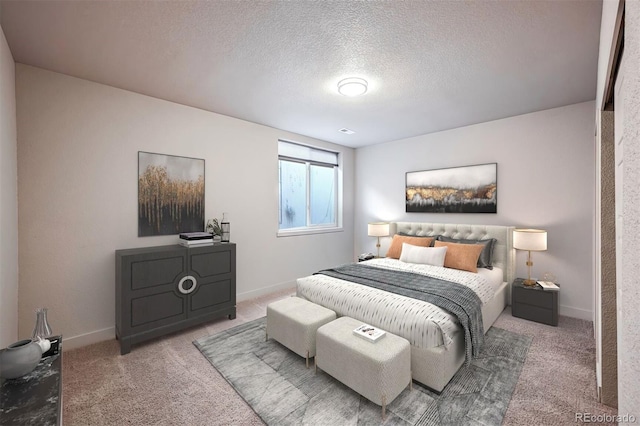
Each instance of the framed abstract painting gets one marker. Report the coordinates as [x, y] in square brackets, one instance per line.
[468, 189]
[170, 194]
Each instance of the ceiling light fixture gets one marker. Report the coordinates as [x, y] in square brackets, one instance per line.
[352, 86]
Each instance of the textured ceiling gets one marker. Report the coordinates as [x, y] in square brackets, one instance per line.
[431, 65]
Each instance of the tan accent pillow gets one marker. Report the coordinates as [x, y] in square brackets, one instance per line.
[461, 256]
[395, 249]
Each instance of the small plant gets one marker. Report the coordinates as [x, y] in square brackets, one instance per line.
[213, 227]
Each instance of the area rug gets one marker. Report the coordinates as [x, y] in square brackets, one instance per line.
[282, 391]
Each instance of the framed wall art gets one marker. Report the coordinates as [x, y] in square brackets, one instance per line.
[468, 189]
[170, 194]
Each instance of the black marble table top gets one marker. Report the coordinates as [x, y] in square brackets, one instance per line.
[34, 399]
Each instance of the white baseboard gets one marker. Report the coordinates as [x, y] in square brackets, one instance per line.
[569, 311]
[86, 339]
[265, 290]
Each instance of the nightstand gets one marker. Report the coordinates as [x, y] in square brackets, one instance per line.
[533, 303]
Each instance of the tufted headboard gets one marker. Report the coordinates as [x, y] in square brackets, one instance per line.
[504, 255]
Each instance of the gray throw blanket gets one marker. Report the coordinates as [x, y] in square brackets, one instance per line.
[456, 298]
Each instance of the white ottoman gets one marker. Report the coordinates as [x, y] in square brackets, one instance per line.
[293, 322]
[379, 370]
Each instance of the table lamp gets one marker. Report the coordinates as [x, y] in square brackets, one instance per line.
[530, 240]
[378, 229]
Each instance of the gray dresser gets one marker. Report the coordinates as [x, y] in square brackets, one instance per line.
[164, 289]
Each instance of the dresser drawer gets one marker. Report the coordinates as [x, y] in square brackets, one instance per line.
[533, 297]
[534, 313]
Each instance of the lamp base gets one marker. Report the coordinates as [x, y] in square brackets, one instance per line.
[529, 283]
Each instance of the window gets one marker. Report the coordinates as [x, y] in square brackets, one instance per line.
[308, 189]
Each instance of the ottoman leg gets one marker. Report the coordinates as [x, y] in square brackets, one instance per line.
[384, 406]
[307, 359]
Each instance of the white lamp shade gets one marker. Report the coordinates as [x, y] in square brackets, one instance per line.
[530, 239]
[378, 229]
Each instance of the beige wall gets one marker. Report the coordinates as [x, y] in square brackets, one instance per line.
[78, 165]
[8, 200]
[545, 180]
[628, 288]
[628, 291]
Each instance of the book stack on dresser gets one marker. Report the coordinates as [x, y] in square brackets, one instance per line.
[193, 239]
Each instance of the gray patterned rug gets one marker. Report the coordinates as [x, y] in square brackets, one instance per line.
[282, 391]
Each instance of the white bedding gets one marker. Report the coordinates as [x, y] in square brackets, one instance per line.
[424, 325]
[495, 277]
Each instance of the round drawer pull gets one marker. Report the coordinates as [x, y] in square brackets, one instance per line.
[190, 289]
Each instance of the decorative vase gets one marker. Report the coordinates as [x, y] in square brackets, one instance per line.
[226, 228]
[42, 328]
[19, 358]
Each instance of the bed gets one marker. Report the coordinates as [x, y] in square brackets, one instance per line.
[437, 339]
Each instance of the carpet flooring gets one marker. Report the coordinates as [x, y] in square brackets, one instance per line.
[167, 381]
[282, 391]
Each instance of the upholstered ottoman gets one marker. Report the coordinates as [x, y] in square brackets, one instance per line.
[379, 370]
[293, 322]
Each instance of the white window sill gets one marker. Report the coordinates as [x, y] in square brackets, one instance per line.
[307, 231]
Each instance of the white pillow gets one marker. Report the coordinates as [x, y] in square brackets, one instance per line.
[423, 255]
